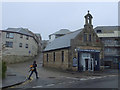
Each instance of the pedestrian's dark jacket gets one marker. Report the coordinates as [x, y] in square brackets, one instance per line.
[34, 66]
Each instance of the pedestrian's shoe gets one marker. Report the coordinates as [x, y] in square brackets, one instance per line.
[29, 78]
[37, 77]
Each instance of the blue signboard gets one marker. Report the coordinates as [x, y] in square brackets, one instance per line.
[88, 50]
[74, 62]
[29, 52]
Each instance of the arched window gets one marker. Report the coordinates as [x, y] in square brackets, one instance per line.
[85, 37]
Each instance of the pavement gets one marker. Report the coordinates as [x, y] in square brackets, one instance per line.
[12, 78]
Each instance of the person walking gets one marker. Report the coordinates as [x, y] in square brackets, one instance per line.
[33, 69]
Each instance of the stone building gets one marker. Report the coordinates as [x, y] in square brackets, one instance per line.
[40, 42]
[110, 36]
[44, 44]
[20, 44]
[80, 50]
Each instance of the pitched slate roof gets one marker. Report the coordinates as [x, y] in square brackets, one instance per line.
[19, 30]
[62, 31]
[23, 31]
[62, 42]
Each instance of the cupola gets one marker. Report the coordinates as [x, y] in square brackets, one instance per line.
[88, 19]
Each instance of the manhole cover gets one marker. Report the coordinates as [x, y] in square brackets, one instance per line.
[51, 77]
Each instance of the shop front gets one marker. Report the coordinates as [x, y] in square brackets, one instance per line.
[88, 60]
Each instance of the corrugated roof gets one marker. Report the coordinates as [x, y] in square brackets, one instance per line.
[63, 41]
[19, 30]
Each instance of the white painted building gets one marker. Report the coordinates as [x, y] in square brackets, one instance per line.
[20, 44]
[57, 34]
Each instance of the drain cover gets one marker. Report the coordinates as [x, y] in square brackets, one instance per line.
[51, 77]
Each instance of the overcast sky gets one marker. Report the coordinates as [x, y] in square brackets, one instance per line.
[48, 17]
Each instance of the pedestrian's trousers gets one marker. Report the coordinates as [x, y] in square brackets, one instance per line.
[32, 73]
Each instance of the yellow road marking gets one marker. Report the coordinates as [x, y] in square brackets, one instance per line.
[27, 81]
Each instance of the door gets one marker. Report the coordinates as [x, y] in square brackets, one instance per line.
[97, 66]
[92, 65]
[86, 64]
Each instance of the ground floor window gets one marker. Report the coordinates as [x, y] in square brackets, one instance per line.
[62, 56]
[47, 57]
[108, 64]
[54, 56]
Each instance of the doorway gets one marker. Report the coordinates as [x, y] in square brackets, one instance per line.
[86, 64]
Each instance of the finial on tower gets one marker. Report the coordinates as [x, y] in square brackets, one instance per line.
[88, 11]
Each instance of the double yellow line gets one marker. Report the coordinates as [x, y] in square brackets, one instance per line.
[27, 81]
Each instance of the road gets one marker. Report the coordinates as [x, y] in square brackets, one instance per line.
[110, 81]
[49, 78]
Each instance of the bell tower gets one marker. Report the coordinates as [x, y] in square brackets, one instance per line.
[88, 19]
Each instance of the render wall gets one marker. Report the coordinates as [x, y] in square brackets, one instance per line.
[16, 58]
[17, 54]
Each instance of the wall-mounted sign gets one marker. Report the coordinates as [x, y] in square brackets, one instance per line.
[29, 52]
[75, 62]
[88, 50]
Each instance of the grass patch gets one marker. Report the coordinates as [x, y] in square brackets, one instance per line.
[3, 69]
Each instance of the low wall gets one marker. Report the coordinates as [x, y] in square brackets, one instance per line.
[16, 59]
